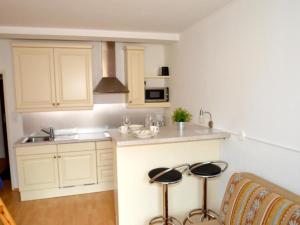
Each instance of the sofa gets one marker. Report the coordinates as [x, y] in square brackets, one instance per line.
[249, 199]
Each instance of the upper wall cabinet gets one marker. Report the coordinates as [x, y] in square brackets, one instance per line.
[135, 75]
[135, 71]
[51, 78]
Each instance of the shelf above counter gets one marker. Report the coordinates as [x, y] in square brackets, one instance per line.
[152, 105]
[157, 77]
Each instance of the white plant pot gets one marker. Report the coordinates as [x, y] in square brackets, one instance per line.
[181, 126]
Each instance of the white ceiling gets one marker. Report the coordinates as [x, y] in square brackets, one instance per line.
[128, 15]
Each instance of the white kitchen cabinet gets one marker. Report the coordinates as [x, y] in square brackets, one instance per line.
[51, 78]
[54, 170]
[37, 171]
[105, 164]
[135, 75]
[77, 168]
[77, 164]
[73, 77]
[34, 78]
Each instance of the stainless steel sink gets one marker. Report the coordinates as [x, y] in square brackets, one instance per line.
[37, 139]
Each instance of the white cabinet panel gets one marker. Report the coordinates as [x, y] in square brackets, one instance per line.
[73, 77]
[37, 171]
[105, 157]
[34, 77]
[52, 78]
[77, 168]
[105, 174]
[135, 75]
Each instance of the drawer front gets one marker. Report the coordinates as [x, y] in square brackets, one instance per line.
[103, 144]
[105, 157]
[37, 149]
[75, 147]
[105, 174]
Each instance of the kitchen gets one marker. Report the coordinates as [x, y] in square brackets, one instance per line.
[208, 67]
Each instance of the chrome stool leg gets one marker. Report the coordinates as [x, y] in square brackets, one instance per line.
[204, 213]
[165, 203]
[165, 219]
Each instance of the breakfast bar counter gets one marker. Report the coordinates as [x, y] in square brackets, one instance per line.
[137, 201]
[169, 135]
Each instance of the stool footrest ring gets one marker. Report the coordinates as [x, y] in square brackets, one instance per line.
[209, 215]
[165, 221]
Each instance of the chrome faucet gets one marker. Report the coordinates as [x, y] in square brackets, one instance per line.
[49, 131]
[202, 113]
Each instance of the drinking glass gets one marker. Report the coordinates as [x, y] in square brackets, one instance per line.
[148, 120]
[126, 120]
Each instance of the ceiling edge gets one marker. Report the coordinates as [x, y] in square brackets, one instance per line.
[85, 34]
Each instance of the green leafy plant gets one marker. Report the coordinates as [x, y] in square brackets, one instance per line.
[181, 115]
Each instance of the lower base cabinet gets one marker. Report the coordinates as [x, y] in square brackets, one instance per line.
[64, 169]
[77, 168]
[37, 172]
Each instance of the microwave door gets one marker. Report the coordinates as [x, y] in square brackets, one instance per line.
[154, 95]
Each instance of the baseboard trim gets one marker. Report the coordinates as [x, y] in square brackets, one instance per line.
[59, 192]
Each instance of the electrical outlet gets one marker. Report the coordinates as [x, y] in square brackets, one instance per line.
[242, 135]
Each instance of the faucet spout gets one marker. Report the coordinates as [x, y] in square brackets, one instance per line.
[49, 131]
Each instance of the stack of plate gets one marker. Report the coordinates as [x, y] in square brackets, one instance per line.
[144, 133]
[135, 127]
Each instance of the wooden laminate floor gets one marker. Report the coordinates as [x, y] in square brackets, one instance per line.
[86, 209]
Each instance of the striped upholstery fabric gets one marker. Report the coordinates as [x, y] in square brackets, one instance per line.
[248, 203]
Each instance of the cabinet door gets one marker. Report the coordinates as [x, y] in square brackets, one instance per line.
[34, 78]
[77, 168]
[37, 172]
[73, 77]
[135, 76]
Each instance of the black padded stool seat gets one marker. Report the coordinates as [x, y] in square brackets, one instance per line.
[171, 176]
[206, 169]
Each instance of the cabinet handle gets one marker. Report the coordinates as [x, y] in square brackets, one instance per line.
[57, 104]
[54, 157]
[53, 104]
[130, 101]
[59, 156]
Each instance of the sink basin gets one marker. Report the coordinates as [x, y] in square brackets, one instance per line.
[37, 139]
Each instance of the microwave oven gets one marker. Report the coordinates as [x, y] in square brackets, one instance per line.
[157, 94]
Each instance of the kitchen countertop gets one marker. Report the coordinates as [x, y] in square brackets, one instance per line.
[72, 138]
[168, 135]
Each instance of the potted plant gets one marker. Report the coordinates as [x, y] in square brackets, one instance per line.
[181, 116]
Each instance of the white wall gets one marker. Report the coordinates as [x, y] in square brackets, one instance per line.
[2, 147]
[242, 64]
[14, 120]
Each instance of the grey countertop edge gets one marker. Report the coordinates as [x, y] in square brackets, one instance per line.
[70, 141]
[152, 141]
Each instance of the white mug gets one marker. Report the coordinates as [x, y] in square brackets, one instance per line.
[124, 129]
[154, 129]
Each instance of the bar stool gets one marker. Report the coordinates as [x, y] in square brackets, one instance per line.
[205, 171]
[166, 176]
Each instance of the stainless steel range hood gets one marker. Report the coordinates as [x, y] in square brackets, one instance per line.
[109, 82]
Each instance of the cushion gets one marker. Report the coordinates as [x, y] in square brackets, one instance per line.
[248, 202]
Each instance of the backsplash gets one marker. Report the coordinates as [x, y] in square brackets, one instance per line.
[102, 115]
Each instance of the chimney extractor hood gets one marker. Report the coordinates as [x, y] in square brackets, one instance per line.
[109, 82]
